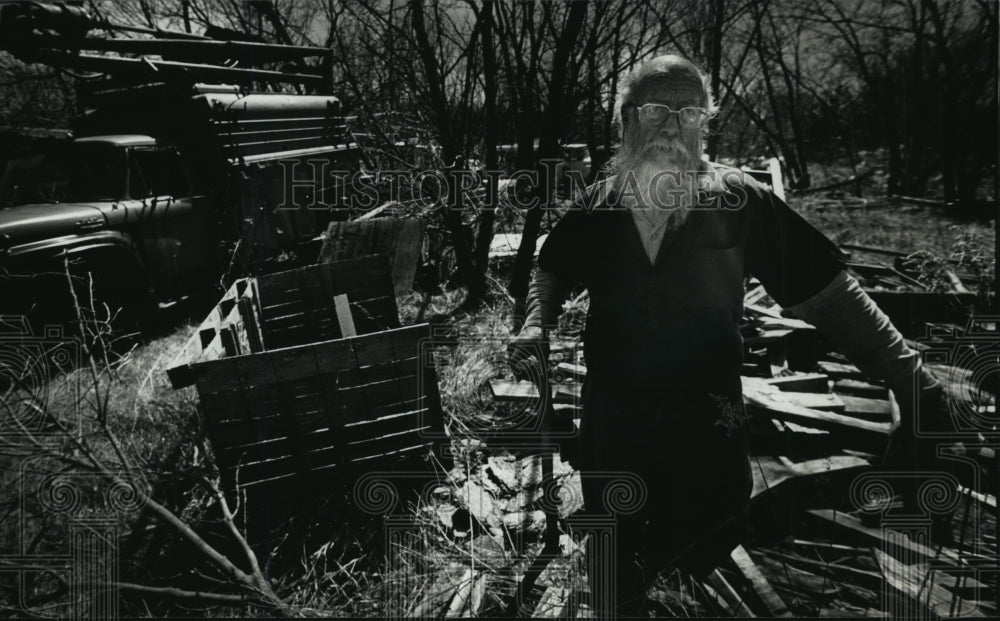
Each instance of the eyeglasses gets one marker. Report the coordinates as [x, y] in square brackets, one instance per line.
[655, 113]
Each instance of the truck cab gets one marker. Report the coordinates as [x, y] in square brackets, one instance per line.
[119, 207]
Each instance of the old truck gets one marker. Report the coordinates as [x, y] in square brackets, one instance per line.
[180, 175]
[170, 212]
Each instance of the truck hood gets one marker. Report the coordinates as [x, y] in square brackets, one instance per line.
[27, 223]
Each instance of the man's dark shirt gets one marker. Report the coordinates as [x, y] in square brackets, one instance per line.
[676, 322]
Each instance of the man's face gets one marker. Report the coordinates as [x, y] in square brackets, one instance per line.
[667, 140]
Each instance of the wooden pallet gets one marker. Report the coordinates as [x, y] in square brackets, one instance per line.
[320, 406]
[284, 394]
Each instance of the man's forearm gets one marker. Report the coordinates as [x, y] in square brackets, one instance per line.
[546, 295]
[846, 316]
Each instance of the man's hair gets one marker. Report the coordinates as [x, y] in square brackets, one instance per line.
[665, 65]
[672, 67]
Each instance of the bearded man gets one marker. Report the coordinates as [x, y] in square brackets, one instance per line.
[663, 254]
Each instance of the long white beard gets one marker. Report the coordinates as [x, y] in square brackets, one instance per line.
[662, 183]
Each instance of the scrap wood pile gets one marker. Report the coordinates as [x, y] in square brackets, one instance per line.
[831, 534]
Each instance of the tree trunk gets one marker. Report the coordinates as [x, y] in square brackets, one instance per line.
[718, 13]
[551, 130]
[484, 235]
[443, 124]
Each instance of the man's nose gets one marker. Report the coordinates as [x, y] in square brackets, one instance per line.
[670, 126]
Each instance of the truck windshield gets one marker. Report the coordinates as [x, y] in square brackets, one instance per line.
[70, 173]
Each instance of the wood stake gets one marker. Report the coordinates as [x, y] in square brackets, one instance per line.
[344, 317]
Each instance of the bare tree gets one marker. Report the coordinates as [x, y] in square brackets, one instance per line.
[554, 113]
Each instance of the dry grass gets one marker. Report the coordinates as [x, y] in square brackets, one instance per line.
[120, 416]
[900, 227]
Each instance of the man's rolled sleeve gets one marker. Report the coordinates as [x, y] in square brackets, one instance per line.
[790, 257]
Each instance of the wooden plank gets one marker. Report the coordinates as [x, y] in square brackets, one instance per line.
[840, 370]
[371, 315]
[760, 310]
[755, 294]
[765, 400]
[886, 276]
[858, 388]
[227, 411]
[802, 382]
[386, 444]
[814, 400]
[861, 577]
[987, 499]
[395, 417]
[462, 594]
[876, 410]
[351, 425]
[377, 393]
[796, 428]
[874, 580]
[873, 250]
[230, 342]
[365, 277]
[769, 472]
[295, 304]
[736, 606]
[775, 606]
[373, 437]
[324, 357]
[399, 239]
[768, 336]
[283, 467]
[327, 285]
[440, 593]
[774, 320]
[477, 596]
[884, 537]
[552, 604]
[828, 546]
[911, 580]
[777, 183]
[344, 318]
[519, 391]
[251, 325]
[394, 456]
[799, 583]
[577, 371]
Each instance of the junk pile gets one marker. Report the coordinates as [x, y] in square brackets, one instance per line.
[831, 534]
[306, 376]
